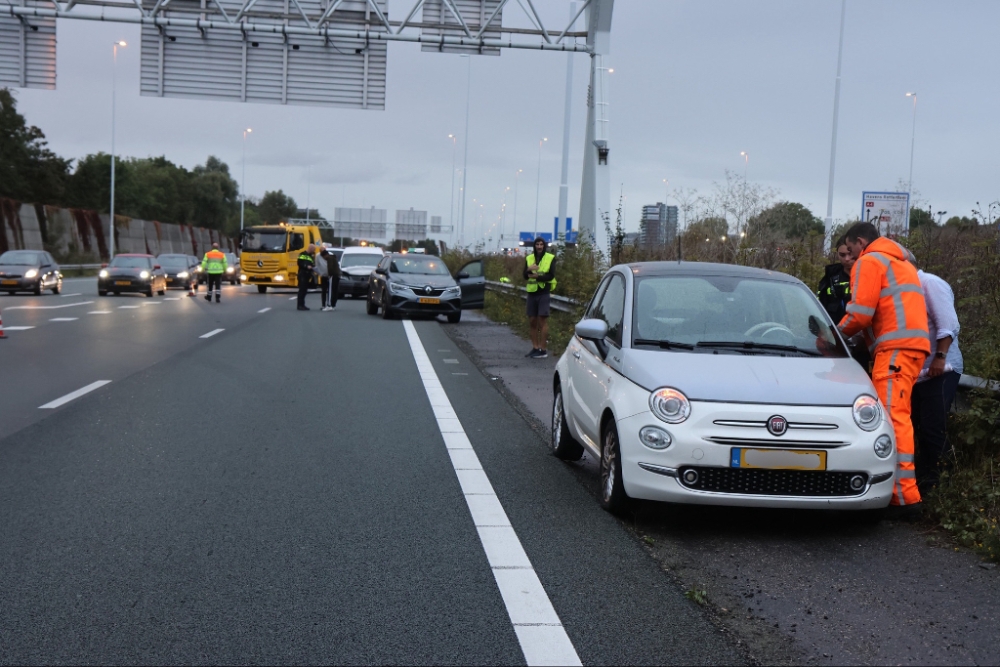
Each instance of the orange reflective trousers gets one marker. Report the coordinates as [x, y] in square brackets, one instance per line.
[893, 374]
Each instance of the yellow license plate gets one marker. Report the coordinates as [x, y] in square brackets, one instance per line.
[8, 282]
[777, 459]
[123, 282]
[426, 300]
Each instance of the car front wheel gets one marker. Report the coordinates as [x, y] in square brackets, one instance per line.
[613, 496]
[370, 306]
[58, 286]
[563, 445]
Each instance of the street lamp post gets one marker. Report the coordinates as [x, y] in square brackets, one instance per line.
[454, 146]
[746, 166]
[465, 140]
[913, 140]
[538, 186]
[828, 223]
[243, 177]
[114, 78]
[503, 214]
[517, 177]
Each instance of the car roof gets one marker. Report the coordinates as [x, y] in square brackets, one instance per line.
[364, 249]
[704, 269]
[134, 254]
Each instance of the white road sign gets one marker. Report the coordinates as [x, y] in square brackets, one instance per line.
[888, 211]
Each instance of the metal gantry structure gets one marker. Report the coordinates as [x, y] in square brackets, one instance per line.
[315, 52]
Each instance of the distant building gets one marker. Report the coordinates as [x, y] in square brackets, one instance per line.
[658, 225]
[435, 224]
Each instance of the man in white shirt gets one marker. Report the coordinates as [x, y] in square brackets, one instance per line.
[937, 383]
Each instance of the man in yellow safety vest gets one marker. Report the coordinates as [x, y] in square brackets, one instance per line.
[540, 273]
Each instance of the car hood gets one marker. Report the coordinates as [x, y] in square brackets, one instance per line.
[122, 271]
[420, 280]
[741, 378]
[359, 270]
[17, 268]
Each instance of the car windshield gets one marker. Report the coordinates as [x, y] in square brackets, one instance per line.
[264, 241]
[20, 257]
[350, 259]
[121, 262]
[731, 314]
[427, 266]
[175, 262]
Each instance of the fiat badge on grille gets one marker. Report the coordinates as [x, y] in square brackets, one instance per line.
[777, 425]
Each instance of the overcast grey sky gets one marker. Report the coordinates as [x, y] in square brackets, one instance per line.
[695, 83]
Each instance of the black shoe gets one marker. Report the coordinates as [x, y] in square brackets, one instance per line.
[218, 299]
[904, 513]
[208, 297]
[539, 354]
[302, 308]
[531, 354]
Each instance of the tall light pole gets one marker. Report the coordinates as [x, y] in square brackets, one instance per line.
[833, 140]
[913, 140]
[517, 177]
[538, 186]
[746, 166]
[465, 140]
[503, 214]
[243, 177]
[567, 116]
[114, 78]
[454, 146]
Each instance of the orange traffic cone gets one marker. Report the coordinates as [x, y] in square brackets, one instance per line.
[2, 334]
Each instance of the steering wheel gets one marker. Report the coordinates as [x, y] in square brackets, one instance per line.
[768, 327]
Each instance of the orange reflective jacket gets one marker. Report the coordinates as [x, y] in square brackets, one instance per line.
[888, 302]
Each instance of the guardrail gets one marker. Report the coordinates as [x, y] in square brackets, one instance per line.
[79, 267]
[561, 303]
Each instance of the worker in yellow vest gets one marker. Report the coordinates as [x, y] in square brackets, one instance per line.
[540, 273]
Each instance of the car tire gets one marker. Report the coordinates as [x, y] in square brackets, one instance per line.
[162, 292]
[387, 313]
[117, 293]
[564, 446]
[102, 292]
[613, 496]
[38, 289]
[149, 292]
[57, 288]
[454, 318]
[371, 307]
[262, 289]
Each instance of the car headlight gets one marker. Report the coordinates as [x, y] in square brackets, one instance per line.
[278, 279]
[144, 274]
[183, 274]
[31, 273]
[243, 277]
[229, 269]
[452, 291]
[398, 288]
[102, 274]
[669, 405]
[867, 412]
[655, 437]
[883, 446]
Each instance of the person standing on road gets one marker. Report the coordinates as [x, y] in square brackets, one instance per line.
[888, 305]
[319, 275]
[938, 381]
[214, 265]
[540, 273]
[834, 289]
[332, 280]
[306, 268]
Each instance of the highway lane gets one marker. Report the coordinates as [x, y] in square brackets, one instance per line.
[296, 502]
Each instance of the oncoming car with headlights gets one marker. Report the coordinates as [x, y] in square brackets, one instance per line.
[721, 385]
[132, 273]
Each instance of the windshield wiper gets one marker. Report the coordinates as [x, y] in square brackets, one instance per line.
[663, 344]
[750, 345]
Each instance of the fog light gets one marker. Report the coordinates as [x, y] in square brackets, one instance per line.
[883, 446]
[243, 277]
[857, 482]
[278, 279]
[690, 477]
[655, 438]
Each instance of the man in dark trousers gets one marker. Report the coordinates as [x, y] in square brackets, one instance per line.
[306, 265]
[540, 272]
[331, 281]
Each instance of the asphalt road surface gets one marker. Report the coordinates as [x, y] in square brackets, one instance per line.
[244, 483]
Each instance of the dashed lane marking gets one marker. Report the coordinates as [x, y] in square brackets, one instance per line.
[152, 303]
[74, 395]
[450, 361]
[127, 307]
[99, 312]
[17, 328]
[172, 298]
[63, 319]
[212, 333]
[263, 310]
[65, 305]
[539, 630]
[64, 296]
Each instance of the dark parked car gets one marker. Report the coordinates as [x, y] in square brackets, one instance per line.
[232, 268]
[132, 273]
[421, 285]
[180, 270]
[29, 271]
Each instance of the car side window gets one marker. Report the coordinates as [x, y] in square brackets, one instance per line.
[384, 264]
[611, 309]
[595, 302]
[474, 269]
[298, 242]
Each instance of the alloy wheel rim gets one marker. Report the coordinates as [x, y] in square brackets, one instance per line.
[557, 420]
[608, 469]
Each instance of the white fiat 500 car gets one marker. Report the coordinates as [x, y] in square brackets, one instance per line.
[722, 385]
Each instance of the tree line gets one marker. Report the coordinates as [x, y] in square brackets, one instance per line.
[151, 188]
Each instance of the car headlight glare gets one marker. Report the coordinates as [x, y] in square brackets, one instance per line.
[655, 437]
[144, 274]
[883, 446]
[182, 275]
[867, 412]
[229, 269]
[278, 279]
[669, 405]
[31, 273]
[398, 288]
[452, 291]
[243, 276]
[103, 274]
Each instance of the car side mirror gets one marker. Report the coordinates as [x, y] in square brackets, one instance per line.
[592, 329]
[379, 270]
[461, 275]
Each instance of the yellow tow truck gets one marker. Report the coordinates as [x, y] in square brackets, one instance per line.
[270, 254]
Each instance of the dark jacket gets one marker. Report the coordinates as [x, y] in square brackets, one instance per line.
[306, 263]
[542, 278]
[332, 265]
[834, 291]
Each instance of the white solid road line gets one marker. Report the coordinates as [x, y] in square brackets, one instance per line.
[263, 310]
[292, 298]
[69, 295]
[74, 394]
[172, 298]
[541, 634]
[99, 312]
[63, 319]
[17, 328]
[212, 333]
[127, 307]
[66, 305]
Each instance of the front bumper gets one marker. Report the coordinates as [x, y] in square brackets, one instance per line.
[698, 470]
[181, 283]
[410, 304]
[112, 284]
[353, 285]
[20, 284]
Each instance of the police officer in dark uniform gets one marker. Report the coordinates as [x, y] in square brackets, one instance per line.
[306, 266]
[835, 288]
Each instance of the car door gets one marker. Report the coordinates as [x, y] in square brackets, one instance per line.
[577, 411]
[381, 278]
[473, 285]
[598, 360]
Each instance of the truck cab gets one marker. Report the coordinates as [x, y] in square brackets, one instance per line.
[270, 254]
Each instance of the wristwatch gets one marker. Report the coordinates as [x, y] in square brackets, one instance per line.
[940, 355]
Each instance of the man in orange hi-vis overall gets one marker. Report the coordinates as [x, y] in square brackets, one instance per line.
[888, 306]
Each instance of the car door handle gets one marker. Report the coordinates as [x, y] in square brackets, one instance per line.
[576, 355]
